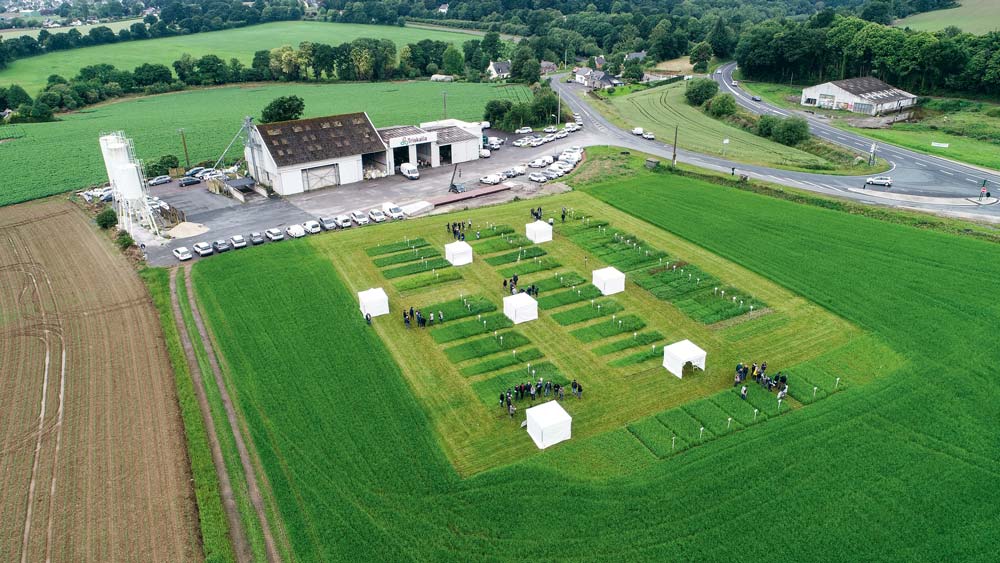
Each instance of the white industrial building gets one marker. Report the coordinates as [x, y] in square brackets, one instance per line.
[309, 154]
[866, 95]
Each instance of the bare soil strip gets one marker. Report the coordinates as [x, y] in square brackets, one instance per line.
[93, 464]
[252, 487]
[237, 534]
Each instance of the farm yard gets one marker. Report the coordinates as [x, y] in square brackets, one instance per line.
[210, 117]
[91, 446]
[239, 43]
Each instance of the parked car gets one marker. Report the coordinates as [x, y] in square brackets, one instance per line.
[648, 135]
[221, 245]
[343, 221]
[538, 177]
[203, 248]
[562, 134]
[359, 217]
[394, 211]
[194, 171]
[159, 180]
[537, 163]
[311, 227]
[514, 171]
[238, 241]
[879, 181]
[491, 180]
[182, 253]
[497, 140]
[638, 131]
[188, 181]
[409, 170]
[494, 146]
[256, 238]
[520, 142]
[755, 98]
[295, 231]
[274, 234]
[456, 188]
[205, 172]
[550, 129]
[377, 216]
[551, 175]
[576, 115]
[562, 165]
[523, 130]
[484, 153]
[537, 142]
[547, 159]
[549, 138]
[328, 223]
[559, 172]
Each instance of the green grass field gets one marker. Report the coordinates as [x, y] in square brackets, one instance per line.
[210, 118]
[660, 109]
[84, 29]
[958, 129]
[974, 16]
[240, 43]
[896, 467]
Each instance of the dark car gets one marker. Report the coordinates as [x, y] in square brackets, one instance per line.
[188, 181]
[755, 98]
[328, 223]
[220, 246]
[457, 188]
[256, 238]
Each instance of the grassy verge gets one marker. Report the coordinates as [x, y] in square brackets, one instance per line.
[211, 516]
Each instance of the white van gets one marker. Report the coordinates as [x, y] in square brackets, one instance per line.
[409, 170]
[638, 131]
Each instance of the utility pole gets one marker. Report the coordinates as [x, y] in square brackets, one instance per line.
[445, 102]
[187, 159]
[673, 161]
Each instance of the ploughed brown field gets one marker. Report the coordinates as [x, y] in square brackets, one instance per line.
[92, 459]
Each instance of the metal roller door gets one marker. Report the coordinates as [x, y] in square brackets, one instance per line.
[320, 177]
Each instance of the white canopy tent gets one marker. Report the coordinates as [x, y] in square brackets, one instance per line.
[538, 232]
[459, 253]
[520, 308]
[680, 353]
[374, 302]
[609, 280]
[549, 424]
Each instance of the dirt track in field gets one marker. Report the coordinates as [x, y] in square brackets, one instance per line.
[93, 465]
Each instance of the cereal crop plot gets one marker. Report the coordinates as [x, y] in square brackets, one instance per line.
[559, 280]
[486, 345]
[606, 329]
[407, 244]
[530, 267]
[500, 362]
[501, 243]
[489, 390]
[641, 339]
[646, 355]
[524, 254]
[428, 279]
[92, 444]
[567, 297]
[597, 309]
[461, 308]
[404, 257]
[473, 327]
[416, 268]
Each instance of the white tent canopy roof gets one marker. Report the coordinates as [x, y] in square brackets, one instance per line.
[680, 353]
[374, 302]
[549, 424]
[539, 231]
[609, 280]
[458, 253]
[520, 308]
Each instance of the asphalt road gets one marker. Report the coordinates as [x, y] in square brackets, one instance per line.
[913, 173]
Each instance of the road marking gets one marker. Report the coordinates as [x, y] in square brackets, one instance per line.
[946, 172]
[973, 181]
[920, 163]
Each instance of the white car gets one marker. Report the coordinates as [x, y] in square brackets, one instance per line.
[394, 211]
[537, 177]
[484, 153]
[735, 83]
[719, 71]
[555, 170]
[274, 234]
[562, 165]
[520, 142]
[649, 135]
[159, 180]
[377, 216]
[537, 163]
[548, 138]
[205, 172]
[203, 248]
[576, 116]
[343, 221]
[523, 130]
[562, 134]
[879, 181]
[359, 217]
[547, 159]
[550, 129]
[537, 142]
[491, 180]
[312, 227]
[238, 241]
[295, 231]
[638, 131]
[182, 253]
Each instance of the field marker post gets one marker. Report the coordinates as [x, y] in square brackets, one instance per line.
[779, 405]
[837, 384]
[701, 432]
[755, 415]
[729, 423]
[501, 345]
[672, 440]
[814, 392]
[635, 336]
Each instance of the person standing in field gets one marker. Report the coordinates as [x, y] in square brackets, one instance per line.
[573, 387]
[501, 400]
[511, 409]
[743, 393]
[579, 391]
[440, 316]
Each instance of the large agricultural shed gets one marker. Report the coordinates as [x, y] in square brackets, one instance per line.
[866, 95]
[309, 154]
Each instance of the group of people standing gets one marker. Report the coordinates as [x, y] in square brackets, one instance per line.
[540, 389]
[458, 229]
[512, 286]
[412, 316]
[759, 375]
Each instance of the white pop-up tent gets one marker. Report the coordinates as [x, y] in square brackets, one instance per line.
[609, 280]
[459, 253]
[539, 231]
[520, 308]
[680, 353]
[374, 302]
[549, 424]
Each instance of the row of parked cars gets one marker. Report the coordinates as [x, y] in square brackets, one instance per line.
[358, 217]
[549, 167]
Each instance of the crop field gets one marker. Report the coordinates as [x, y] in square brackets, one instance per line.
[210, 118]
[973, 16]
[901, 438]
[660, 109]
[237, 43]
[10, 34]
[92, 449]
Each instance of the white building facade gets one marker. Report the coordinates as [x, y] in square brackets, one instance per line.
[865, 95]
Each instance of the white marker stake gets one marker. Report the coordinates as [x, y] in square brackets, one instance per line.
[672, 440]
[755, 415]
[814, 392]
[779, 405]
[701, 432]
[729, 423]
[837, 384]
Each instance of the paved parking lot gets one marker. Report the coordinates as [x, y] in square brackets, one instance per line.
[225, 217]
